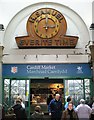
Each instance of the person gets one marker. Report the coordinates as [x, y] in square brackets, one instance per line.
[92, 113]
[55, 108]
[83, 110]
[20, 98]
[90, 103]
[48, 100]
[69, 98]
[69, 113]
[37, 115]
[10, 115]
[19, 111]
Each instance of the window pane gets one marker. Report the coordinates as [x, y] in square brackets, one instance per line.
[74, 88]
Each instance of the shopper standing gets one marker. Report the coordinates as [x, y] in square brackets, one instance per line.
[92, 113]
[55, 108]
[19, 111]
[38, 114]
[69, 98]
[83, 110]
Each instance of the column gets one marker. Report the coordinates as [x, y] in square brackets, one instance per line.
[92, 59]
[92, 43]
[1, 53]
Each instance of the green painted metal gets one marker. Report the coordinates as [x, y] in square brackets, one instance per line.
[83, 89]
[10, 93]
[28, 108]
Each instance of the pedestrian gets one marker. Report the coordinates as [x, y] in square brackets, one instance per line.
[69, 113]
[83, 110]
[55, 108]
[19, 111]
[90, 102]
[92, 113]
[69, 98]
[20, 98]
[38, 114]
[49, 99]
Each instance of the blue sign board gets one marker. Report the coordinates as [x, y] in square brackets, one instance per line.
[54, 70]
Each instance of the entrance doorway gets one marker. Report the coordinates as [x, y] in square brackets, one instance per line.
[33, 92]
[36, 91]
[41, 89]
[35, 82]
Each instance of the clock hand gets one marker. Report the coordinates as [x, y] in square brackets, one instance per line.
[52, 26]
[49, 26]
[46, 27]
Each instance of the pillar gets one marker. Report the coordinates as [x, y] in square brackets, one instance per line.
[91, 46]
[92, 59]
[1, 53]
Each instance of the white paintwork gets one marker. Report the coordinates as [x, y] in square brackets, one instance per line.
[9, 8]
[1, 37]
[76, 26]
[46, 59]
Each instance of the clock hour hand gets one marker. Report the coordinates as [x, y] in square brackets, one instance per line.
[49, 26]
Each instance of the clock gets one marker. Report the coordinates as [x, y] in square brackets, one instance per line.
[46, 26]
[46, 23]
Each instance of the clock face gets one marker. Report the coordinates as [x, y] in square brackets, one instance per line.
[46, 23]
[46, 26]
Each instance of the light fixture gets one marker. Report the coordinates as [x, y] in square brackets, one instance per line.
[56, 57]
[25, 56]
[1, 27]
[57, 86]
[37, 57]
[92, 26]
[67, 55]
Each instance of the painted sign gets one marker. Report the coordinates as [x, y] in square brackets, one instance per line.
[46, 70]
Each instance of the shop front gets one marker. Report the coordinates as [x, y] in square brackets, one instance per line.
[36, 82]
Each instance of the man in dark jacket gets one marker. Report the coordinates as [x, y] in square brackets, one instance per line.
[55, 108]
[19, 111]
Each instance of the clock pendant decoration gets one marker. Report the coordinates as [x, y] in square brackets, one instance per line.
[46, 23]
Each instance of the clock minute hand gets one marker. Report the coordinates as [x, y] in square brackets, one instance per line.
[46, 27]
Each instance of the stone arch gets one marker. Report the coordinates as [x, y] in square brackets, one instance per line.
[9, 37]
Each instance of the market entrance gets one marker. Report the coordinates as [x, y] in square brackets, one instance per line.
[36, 91]
[33, 92]
[35, 82]
[42, 89]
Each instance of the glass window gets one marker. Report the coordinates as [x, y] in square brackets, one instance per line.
[19, 88]
[14, 88]
[87, 90]
[74, 88]
[6, 92]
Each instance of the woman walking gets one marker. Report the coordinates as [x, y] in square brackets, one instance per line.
[69, 113]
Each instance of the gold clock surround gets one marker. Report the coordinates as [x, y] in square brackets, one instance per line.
[46, 23]
[46, 28]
